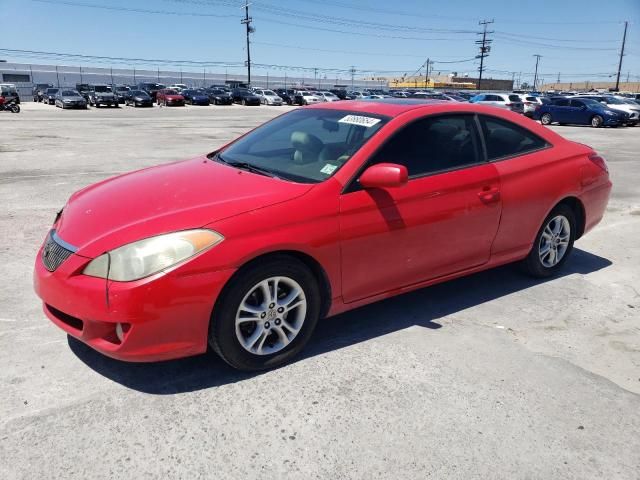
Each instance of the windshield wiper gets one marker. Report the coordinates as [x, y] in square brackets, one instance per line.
[248, 167]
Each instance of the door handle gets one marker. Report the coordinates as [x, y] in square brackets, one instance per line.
[489, 195]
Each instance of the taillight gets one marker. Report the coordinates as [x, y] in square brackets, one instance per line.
[599, 161]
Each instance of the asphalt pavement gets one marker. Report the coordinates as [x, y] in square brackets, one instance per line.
[491, 376]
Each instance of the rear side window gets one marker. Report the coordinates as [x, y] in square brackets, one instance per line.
[577, 103]
[531, 99]
[506, 139]
[515, 98]
[432, 144]
[561, 102]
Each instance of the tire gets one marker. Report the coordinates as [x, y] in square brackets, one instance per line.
[244, 102]
[15, 108]
[596, 121]
[546, 119]
[541, 265]
[224, 336]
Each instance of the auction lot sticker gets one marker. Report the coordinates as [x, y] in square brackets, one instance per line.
[359, 120]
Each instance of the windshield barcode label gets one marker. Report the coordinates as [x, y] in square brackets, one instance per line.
[359, 120]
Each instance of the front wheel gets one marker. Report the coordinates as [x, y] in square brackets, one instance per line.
[15, 108]
[597, 121]
[266, 314]
[553, 244]
[546, 119]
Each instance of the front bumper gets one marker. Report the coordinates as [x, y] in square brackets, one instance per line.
[175, 103]
[164, 316]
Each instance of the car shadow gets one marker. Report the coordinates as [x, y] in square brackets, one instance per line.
[422, 308]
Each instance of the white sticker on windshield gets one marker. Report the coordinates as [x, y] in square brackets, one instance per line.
[359, 120]
[328, 169]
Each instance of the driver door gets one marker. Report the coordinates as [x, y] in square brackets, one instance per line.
[443, 221]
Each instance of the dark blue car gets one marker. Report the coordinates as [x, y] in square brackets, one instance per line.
[579, 111]
[195, 97]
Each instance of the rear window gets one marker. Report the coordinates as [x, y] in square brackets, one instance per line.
[515, 98]
[506, 139]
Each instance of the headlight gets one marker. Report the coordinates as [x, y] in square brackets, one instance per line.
[610, 112]
[145, 257]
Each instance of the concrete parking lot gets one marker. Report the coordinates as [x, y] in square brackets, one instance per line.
[492, 376]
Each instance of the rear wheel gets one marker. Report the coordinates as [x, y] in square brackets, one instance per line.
[553, 244]
[546, 119]
[244, 102]
[597, 121]
[15, 108]
[266, 314]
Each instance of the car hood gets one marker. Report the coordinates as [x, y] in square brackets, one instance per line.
[162, 199]
[140, 98]
[104, 94]
[74, 98]
[174, 97]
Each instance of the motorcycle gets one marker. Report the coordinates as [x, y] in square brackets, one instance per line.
[10, 106]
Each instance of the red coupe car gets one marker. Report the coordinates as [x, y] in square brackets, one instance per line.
[168, 97]
[316, 212]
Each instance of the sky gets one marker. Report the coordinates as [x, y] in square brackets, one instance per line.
[578, 39]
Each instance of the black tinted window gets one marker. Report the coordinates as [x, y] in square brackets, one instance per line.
[577, 103]
[504, 138]
[432, 144]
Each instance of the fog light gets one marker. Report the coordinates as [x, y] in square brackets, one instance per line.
[121, 330]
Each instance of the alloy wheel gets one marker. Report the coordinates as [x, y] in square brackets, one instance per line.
[270, 315]
[554, 241]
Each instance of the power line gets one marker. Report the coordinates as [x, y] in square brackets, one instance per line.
[134, 10]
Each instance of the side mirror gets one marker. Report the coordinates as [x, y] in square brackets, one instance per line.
[384, 175]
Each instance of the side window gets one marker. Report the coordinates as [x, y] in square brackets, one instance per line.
[561, 102]
[576, 103]
[504, 139]
[432, 144]
[497, 98]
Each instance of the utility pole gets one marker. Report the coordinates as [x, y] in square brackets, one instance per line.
[247, 22]
[485, 47]
[624, 40]
[353, 73]
[558, 77]
[535, 75]
[58, 76]
[315, 77]
[426, 72]
[134, 74]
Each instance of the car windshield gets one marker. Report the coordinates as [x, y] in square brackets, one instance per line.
[305, 146]
[270, 93]
[140, 93]
[171, 92]
[70, 93]
[589, 101]
[101, 89]
[52, 90]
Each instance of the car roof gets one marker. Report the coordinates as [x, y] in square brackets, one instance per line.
[390, 107]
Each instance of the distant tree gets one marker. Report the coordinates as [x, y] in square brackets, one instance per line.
[525, 86]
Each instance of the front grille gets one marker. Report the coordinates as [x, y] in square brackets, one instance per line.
[53, 254]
